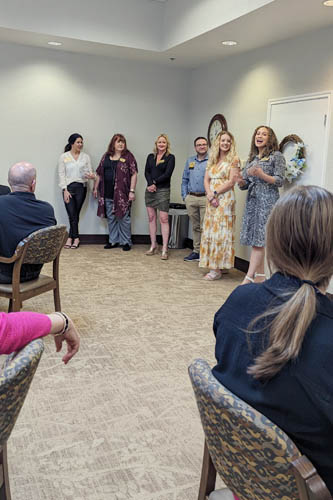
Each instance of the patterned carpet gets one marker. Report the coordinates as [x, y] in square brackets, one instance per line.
[120, 421]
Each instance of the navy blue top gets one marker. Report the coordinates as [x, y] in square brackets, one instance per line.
[299, 399]
[21, 215]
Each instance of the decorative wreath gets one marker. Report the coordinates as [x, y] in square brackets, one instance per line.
[297, 164]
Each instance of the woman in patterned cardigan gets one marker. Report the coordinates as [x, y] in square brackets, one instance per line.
[115, 182]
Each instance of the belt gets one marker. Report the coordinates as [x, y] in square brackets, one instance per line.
[197, 194]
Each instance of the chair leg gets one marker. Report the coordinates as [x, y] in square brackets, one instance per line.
[208, 475]
[16, 305]
[56, 297]
[5, 489]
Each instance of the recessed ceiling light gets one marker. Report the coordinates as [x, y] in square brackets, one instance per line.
[229, 42]
[328, 3]
[56, 44]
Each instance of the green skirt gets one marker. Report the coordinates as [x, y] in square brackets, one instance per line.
[159, 200]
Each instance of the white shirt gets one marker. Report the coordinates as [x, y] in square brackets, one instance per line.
[71, 170]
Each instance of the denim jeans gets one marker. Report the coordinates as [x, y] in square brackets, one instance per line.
[119, 229]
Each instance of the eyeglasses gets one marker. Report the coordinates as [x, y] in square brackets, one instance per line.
[201, 145]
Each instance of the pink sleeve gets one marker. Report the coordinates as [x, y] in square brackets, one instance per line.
[18, 329]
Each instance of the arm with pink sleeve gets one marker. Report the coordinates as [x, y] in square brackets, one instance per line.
[18, 329]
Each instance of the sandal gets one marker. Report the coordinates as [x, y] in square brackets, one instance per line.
[164, 255]
[259, 275]
[68, 243]
[75, 246]
[152, 251]
[251, 280]
[213, 275]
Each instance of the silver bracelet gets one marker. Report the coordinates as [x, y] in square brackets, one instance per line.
[66, 323]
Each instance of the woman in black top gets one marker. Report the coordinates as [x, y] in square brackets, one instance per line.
[159, 167]
[274, 342]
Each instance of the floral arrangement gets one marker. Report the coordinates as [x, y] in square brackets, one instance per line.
[297, 164]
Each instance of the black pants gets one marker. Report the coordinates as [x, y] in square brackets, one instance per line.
[73, 207]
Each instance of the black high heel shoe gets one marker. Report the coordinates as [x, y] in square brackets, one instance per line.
[75, 246]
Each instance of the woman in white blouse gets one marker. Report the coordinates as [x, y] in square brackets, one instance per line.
[74, 171]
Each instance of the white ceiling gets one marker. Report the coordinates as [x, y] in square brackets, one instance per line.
[190, 31]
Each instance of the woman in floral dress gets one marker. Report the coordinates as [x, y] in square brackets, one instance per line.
[217, 241]
[263, 174]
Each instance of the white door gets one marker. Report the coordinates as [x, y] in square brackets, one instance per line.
[308, 117]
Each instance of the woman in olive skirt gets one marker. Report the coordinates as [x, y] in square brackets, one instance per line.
[159, 167]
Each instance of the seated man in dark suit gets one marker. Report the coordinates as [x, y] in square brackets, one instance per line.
[21, 215]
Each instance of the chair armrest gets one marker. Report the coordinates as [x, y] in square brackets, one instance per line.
[310, 484]
[16, 255]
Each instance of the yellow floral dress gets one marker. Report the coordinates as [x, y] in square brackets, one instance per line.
[218, 239]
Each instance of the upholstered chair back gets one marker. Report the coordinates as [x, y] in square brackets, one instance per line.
[44, 245]
[251, 454]
[15, 379]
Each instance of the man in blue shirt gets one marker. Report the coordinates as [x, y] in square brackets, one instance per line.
[193, 193]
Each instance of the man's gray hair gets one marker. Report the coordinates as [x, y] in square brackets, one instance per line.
[21, 175]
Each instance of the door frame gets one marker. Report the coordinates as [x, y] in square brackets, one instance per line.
[309, 97]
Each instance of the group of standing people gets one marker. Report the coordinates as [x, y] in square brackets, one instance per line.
[114, 186]
[208, 191]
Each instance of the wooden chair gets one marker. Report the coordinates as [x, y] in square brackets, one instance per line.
[15, 380]
[254, 457]
[39, 247]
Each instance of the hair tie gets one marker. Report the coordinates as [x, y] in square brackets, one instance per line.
[308, 282]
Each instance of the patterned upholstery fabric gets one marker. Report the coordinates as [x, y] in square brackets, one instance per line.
[250, 453]
[44, 244]
[15, 379]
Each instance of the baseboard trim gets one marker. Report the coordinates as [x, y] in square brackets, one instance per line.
[144, 239]
[241, 264]
[101, 239]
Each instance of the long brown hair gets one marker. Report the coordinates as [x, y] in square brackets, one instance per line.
[111, 147]
[299, 239]
[271, 146]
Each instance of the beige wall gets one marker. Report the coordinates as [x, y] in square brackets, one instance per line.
[240, 87]
[47, 95]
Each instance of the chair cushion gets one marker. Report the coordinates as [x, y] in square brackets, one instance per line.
[28, 285]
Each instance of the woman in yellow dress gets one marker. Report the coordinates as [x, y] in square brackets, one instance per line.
[217, 241]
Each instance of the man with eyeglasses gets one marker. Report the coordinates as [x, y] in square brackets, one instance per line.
[193, 193]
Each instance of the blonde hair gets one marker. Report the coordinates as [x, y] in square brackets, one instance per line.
[271, 146]
[214, 152]
[168, 149]
[299, 239]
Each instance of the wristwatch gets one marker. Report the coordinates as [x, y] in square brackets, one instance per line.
[132, 191]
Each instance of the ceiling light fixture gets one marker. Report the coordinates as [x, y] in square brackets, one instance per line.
[55, 44]
[229, 42]
[328, 3]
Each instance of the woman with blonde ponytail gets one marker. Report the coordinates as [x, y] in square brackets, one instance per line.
[274, 340]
